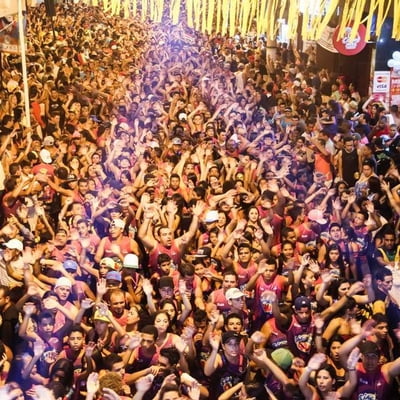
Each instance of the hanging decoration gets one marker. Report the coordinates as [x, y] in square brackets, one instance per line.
[263, 16]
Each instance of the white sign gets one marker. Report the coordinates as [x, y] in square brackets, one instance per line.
[9, 7]
[381, 82]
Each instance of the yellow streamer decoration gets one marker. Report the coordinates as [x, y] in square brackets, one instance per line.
[344, 20]
[219, 15]
[382, 14]
[245, 13]
[204, 8]
[134, 7]
[197, 10]
[232, 17]
[263, 16]
[189, 13]
[396, 21]
[328, 15]
[210, 16]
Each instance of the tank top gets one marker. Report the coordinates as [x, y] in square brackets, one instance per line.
[301, 339]
[174, 252]
[228, 375]
[371, 386]
[220, 301]
[244, 274]
[124, 244]
[349, 166]
[277, 338]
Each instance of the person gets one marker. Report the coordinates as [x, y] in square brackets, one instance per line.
[265, 280]
[228, 368]
[116, 244]
[373, 379]
[9, 319]
[325, 378]
[166, 244]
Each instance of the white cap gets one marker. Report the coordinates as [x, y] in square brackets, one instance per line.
[234, 293]
[118, 223]
[14, 244]
[45, 156]
[131, 261]
[211, 216]
[63, 281]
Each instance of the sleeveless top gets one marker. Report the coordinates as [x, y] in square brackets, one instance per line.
[220, 300]
[174, 252]
[301, 339]
[277, 338]
[371, 386]
[349, 166]
[124, 244]
[228, 375]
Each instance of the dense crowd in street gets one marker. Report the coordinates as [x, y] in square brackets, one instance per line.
[191, 216]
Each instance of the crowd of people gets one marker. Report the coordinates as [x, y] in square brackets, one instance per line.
[191, 217]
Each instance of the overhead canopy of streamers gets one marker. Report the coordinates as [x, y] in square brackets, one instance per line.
[310, 17]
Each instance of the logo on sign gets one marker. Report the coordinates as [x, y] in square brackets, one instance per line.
[347, 45]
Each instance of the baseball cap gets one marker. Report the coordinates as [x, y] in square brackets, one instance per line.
[166, 281]
[63, 281]
[227, 336]
[48, 141]
[369, 347]
[282, 357]
[98, 317]
[113, 276]
[71, 178]
[302, 302]
[70, 265]
[14, 244]
[317, 216]
[176, 140]
[203, 252]
[108, 262]
[124, 126]
[131, 261]
[118, 223]
[234, 293]
[45, 156]
[211, 216]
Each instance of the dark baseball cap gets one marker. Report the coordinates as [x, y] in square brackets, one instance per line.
[227, 336]
[302, 302]
[369, 347]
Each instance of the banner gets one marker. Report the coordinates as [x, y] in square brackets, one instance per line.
[381, 82]
[9, 35]
[395, 90]
[8, 7]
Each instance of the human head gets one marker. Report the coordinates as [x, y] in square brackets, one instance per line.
[233, 323]
[370, 355]
[117, 302]
[76, 338]
[325, 378]
[302, 309]
[229, 279]
[161, 321]
[384, 279]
